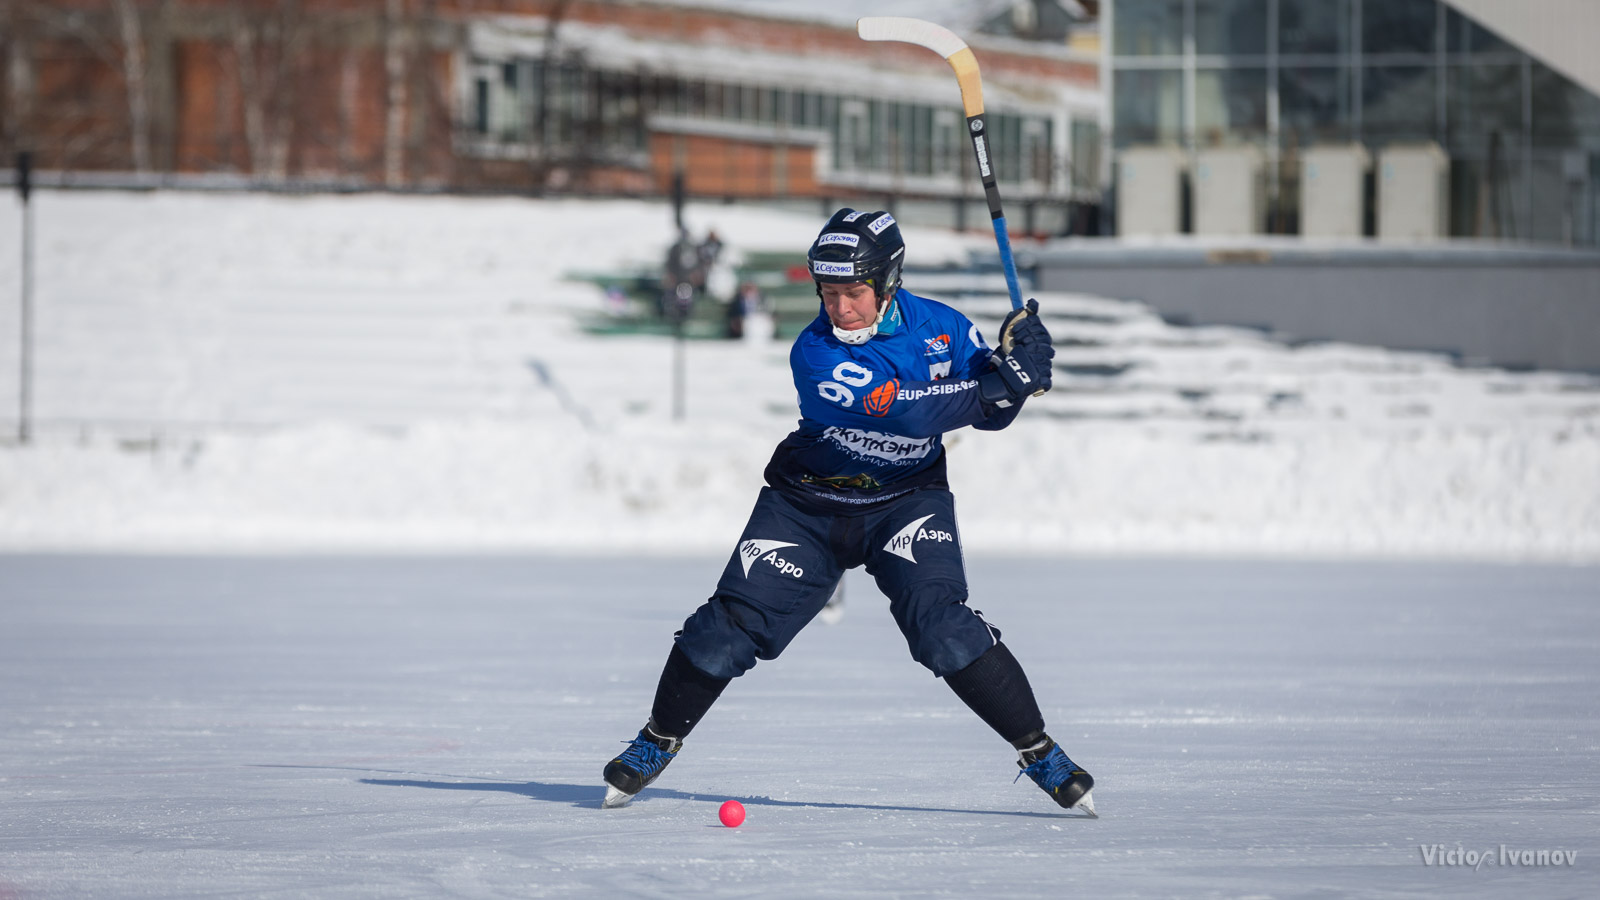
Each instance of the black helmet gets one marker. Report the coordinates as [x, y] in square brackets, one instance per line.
[858, 247]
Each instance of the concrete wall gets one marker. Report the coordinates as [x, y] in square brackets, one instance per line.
[1512, 307]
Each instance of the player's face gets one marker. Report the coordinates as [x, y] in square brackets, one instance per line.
[850, 306]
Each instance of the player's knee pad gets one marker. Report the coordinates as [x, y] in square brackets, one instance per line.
[949, 637]
[717, 642]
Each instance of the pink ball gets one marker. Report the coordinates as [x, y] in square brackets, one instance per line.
[731, 814]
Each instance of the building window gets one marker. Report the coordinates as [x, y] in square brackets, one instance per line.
[1462, 35]
[1399, 26]
[1315, 104]
[1563, 113]
[1148, 28]
[1085, 155]
[1316, 27]
[1399, 102]
[1148, 106]
[1485, 99]
[1036, 161]
[480, 105]
[855, 137]
[946, 143]
[921, 140]
[1230, 27]
[1228, 102]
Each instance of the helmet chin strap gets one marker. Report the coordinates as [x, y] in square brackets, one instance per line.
[858, 336]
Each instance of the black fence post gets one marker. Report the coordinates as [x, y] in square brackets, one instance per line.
[677, 198]
[25, 387]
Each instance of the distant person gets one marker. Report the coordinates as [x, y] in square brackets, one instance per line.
[680, 275]
[882, 373]
[616, 302]
[748, 307]
[710, 249]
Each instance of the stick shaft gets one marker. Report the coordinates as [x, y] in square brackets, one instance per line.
[991, 193]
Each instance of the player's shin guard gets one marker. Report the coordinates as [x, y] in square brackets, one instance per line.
[995, 687]
[683, 695]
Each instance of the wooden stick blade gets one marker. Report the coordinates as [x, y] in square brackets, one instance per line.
[940, 40]
[937, 38]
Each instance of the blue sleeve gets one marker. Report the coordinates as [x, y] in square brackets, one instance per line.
[838, 390]
[972, 354]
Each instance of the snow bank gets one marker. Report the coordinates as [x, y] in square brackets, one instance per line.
[263, 374]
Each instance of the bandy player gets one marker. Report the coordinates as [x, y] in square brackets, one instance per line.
[882, 375]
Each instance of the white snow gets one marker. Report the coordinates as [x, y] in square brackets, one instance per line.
[258, 373]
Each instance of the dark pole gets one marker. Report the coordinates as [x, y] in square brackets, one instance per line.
[679, 309]
[24, 188]
[678, 373]
[677, 199]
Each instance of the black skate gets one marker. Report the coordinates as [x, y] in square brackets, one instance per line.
[638, 765]
[1064, 780]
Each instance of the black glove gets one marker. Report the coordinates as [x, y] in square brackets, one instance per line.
[1023, 326]
[1022, 373]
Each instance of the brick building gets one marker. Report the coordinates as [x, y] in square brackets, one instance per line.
[569, 95]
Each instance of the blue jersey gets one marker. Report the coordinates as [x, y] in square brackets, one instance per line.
[872, 415]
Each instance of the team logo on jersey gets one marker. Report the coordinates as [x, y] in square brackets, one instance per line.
[767, 552]
[940, 344]
[906, 540]
[822, 267]
[839, 237]
[976, 337]
[883, 397]
[880, 223]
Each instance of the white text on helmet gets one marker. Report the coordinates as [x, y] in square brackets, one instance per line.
[839, 237]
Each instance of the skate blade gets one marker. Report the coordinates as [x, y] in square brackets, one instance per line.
[614, 798]
[1087, 805]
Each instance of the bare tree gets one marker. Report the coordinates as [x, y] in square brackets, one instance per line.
[83, 119]
[269, 41]
[133, 75]
[398, 37]
[18, 74]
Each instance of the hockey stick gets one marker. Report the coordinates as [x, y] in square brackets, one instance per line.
[956, 52]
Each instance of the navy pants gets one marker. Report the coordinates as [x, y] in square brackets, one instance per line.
[790, 559]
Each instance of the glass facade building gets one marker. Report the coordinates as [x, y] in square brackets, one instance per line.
[1522, 140]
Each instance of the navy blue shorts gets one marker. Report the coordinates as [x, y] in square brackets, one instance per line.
[789, 560]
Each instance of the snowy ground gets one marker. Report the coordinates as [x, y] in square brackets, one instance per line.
[244, 373]
[214, 726]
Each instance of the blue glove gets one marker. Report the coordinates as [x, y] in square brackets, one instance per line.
[1017, 375]
[1023, 326]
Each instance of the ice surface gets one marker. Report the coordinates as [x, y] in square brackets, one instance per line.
[202, 727]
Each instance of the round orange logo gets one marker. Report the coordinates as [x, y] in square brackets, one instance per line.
[879, 401]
